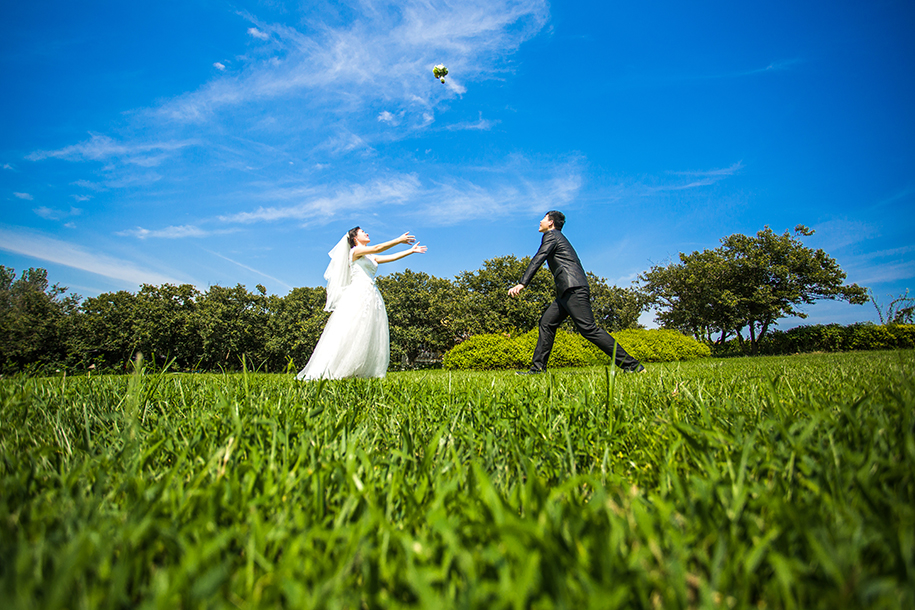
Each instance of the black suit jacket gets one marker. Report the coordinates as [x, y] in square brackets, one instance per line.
[559, 254]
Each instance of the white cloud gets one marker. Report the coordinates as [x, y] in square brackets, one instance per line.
[68, 254]
[219, 66]
[173, 232]
[390, 191]
[698, 179]
[440, 197]
[9, 167]
[480, 125]
[713, 173]
[256, 33]
[385, 53]
[99, 148]
[53, 214]
[82, 197]
[25, 196]
[386, 117]
[251, 269]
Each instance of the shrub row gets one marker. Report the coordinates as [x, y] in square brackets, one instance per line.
[828, 338]
[502, 351]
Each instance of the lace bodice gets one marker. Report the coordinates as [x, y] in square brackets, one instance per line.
[367, 265]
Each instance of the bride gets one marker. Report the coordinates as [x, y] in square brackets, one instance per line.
[355, 341]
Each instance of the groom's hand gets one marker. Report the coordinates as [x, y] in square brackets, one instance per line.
[515, 290]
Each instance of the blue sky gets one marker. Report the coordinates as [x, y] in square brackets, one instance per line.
[209, 142]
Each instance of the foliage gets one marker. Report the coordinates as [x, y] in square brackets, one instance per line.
[502, 351]
[294, 325]
[767, 483]
[226, 328]
[417, 305]
[481, 304]
[830, 338]
[615, 308]
[747, 283]
[658, 345]
[33, 321]
[901, 310]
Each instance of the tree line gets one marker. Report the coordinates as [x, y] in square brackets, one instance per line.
[41, 327]
[740, 288]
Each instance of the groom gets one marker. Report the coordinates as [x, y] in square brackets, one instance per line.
[573, 298]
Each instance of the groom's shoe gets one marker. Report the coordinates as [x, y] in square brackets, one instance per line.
[531, 371]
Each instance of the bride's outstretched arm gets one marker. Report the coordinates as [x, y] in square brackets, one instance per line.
[360, 250]
[387, 258]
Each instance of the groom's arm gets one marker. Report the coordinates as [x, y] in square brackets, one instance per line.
[547, 245]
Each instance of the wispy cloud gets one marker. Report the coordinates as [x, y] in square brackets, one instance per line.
[436, 193]
[393, 190]
[174, 232]
[481, 125]
[219, 66]
[9, 167]
[25, 196]
[651, 80]
[697, 178]
[256, 33]
[54, 214]
[252, 270]
[61, 252]
[839, 233]
[102, 148]
[387, 53]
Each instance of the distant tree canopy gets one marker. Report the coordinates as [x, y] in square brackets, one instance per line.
[747, 283]
[217, 328]
[33, 319]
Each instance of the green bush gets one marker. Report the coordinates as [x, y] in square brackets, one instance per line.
[501, 351]
[828, 338]
[659, 345]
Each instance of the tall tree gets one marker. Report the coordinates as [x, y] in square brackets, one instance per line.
[294, 325]
[33, 320]
[615, 308]
[481, 303]
[748, 283]
[417, 305]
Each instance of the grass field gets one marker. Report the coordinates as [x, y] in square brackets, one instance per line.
[784, 482]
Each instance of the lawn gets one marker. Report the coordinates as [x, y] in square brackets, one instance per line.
[771, 482]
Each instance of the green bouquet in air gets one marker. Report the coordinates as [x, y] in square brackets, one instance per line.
[440, 71]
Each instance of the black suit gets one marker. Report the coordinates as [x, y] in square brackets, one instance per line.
[573, 298]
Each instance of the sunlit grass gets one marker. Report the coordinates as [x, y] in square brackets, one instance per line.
[768, 482]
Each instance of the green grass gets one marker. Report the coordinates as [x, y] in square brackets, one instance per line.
[782, 482]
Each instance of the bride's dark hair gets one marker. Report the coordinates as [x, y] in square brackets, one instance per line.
[351, 236]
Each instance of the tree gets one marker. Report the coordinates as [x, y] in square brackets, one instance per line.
[165, 324]
[294, 325]
[417, 305]
[747, 283]
[481, 303]
[33, 320]
[231, 322]
[615, 308]
[901, 310]
[103, 332]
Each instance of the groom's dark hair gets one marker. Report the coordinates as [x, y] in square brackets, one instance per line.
[351, 236]
[558, 219]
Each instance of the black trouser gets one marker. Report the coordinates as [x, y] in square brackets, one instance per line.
[576, 302]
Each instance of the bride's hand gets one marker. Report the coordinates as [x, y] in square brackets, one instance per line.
[417, 249]
[406, 238]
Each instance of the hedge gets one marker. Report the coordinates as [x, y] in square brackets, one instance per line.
[829, 338]
[502, 351]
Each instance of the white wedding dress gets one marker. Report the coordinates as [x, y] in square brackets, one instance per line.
[355, 342]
